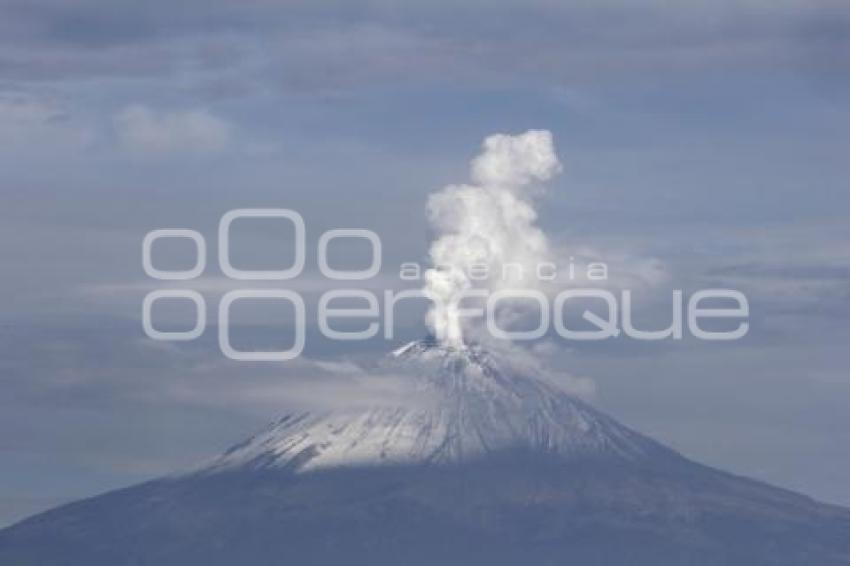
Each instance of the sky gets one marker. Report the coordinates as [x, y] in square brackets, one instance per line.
[706, 141]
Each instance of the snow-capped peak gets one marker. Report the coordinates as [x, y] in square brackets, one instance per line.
[466, 403]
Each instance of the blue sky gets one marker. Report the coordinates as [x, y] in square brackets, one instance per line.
[711, 137]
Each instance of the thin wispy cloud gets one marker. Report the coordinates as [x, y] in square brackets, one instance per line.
[144, 130]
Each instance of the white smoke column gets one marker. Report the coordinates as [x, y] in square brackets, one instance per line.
[488, 223]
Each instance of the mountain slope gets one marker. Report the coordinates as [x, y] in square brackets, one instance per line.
[487, 466]
[464, 403]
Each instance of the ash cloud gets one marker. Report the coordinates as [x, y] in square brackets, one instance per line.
[489, 223]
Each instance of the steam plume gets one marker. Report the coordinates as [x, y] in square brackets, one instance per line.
[488, 223]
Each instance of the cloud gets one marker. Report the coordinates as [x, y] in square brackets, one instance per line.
[539, 360]
[27, 120]
[487, 240]
[322, 46]
[489, 224]
[144, 130]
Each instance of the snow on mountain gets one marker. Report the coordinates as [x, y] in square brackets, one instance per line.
[465, 403]
[487, 463]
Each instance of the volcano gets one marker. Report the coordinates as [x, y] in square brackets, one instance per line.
[488, 464]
